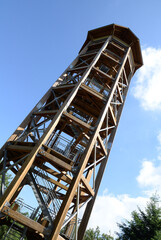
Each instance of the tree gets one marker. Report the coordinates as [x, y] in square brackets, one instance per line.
[8, 178]
[144, 224]
[4, 228]
[157, 236]
[92, 234]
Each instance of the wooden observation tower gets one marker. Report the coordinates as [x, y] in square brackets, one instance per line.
[60, 150]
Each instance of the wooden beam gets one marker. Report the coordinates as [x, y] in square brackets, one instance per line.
[125, 77]
[78, 121]
[112, 54]
[88, 54]
[50, 180]
[108, 77]
[112, 116]
[88, 187]
[57, 154]
[60, 238]
[19, 148]
[64, 86]
[111, 58]
[58, 184]
[102, 145]
[93, 101]
[119, 94]
[118, 46]
[56, 174]
[44, 113]
[55, 160]
[77, 68]
[93, 92]
[24, 220]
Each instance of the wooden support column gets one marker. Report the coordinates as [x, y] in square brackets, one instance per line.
[101, 170]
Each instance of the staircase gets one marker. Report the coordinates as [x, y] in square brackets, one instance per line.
[50, 198]
[15, 232]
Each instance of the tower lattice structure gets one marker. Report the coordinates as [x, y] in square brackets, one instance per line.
[61, 148]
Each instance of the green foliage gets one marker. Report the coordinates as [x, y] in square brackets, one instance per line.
[157, 236]
[94, 234]
[8, 179]
[144, 224]
[3, 230]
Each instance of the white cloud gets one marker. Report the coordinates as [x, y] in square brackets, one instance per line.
[150, 176]
[110, 210]
[148, 82]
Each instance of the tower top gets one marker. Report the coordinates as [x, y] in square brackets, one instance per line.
[124, 34]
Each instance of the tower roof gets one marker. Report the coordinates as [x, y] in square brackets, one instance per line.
[124, 34]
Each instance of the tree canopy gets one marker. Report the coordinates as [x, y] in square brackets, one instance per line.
[144, 225]
[95, 234]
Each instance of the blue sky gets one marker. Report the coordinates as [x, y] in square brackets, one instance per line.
[39, 39]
